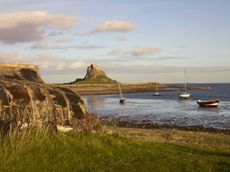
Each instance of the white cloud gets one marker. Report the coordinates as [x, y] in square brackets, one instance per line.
[27, 26]
[112, 26]
[44, 45]
[47, 62]
[121, 39]
[88, 47]
[40, 45]
[12, 58]
[117, 52]
[139, 51]
[62, 40]
[144, 51]
[78, 64]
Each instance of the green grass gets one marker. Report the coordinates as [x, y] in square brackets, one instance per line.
[100, 79]
[43, 151]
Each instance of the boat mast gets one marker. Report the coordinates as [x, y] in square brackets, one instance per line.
[121, 95]
[185, 80]
[156, 89]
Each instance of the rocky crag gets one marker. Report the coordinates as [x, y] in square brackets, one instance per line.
[26, 100]
[95, 75]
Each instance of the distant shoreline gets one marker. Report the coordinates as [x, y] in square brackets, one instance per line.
[103, 89]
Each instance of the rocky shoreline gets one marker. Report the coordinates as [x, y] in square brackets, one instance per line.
[150, 125]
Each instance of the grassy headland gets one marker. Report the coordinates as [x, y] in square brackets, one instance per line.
[99, 79]
[97, 82]
[116, 149]
[95, 89]
[102, 88]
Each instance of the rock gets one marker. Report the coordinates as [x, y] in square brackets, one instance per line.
[20, 72]
[95, 75]
[25, 100]
[93, 71]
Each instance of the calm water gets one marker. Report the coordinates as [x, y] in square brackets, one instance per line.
[167, 109]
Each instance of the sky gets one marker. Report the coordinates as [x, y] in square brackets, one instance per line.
[132, 40]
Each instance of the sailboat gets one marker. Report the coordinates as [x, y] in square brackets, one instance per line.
[156, 93]
[122, 99]
[184, 94]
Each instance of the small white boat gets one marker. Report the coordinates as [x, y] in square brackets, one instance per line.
[122, 99]
[184, 94]
[156, 93]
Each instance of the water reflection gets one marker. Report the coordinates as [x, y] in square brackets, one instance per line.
[184, 101]
[143, 107]
[94, 102]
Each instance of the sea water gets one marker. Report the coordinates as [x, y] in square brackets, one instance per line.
[167, 109]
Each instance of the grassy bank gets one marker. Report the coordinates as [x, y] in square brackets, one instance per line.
[116, 149]
[97, 89]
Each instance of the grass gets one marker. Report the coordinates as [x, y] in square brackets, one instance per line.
[115, 150]
[100, 79]
[104, 80]
[98, 82]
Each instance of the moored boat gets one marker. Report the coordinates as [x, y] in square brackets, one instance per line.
[208, 103]
[156, 93]
[122, 99]
[184, 94]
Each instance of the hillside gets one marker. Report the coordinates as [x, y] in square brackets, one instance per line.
[95, 75]
[97, 82]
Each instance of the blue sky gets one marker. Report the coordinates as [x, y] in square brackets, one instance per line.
[134, 41]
